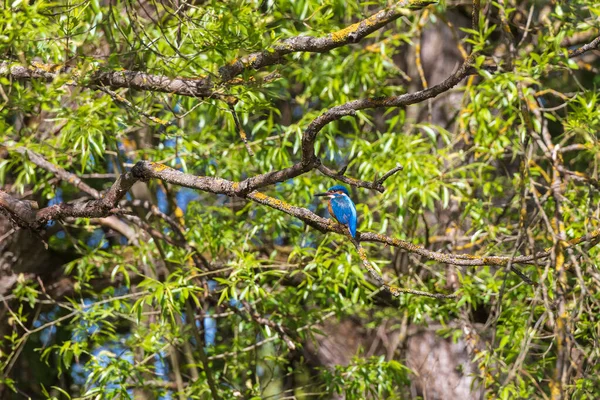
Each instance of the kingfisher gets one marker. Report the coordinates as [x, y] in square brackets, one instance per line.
[341, 207]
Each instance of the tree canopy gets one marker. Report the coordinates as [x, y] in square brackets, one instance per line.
[159, 233]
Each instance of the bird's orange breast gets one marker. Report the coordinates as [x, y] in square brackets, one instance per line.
[330, 209]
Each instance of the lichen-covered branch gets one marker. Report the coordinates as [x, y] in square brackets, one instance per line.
[594, 44]
[199, 87]
[393, 290]
[351, 34]
[145, 170]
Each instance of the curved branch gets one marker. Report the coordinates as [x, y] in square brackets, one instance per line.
[393, 290]
[309, 44]
[309, 159]
[350, 108]
[61, 173]
[158, 171]
[145, 170]
[388, 174]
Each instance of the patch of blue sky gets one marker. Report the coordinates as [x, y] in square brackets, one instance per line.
[86, 328]
[210, 329]
[107, 354]
[47, 334]
[57, 199]
[98, 239]
[161, 199]
[184, 196]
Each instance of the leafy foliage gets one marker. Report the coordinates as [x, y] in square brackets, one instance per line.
[508, 168]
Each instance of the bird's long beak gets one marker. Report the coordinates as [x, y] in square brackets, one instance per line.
[322, 194]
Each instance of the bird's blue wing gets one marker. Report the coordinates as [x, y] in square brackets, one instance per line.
[345, 212]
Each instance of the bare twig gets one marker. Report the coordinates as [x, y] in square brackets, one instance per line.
[259, 319]
[594, 44]
[388, 174]
[377, 183]
[350, 181]
[240, 128]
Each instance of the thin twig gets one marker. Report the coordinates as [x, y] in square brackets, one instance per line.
[594, 44]
[59, 172]
[393, 290]
[240, 129]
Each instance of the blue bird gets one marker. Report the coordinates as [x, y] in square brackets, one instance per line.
[341, 207]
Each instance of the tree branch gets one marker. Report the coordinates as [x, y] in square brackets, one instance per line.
[256, 317]
[350, 181]
[60, 173]
[594, 44]
[20, 212]
[145, 170]
[377, 184]
[388, 174]
[351, 34]
[350, 108]
[475, 14]
[393, 290]
[240, 128]
[200, 87]
[25, 216]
